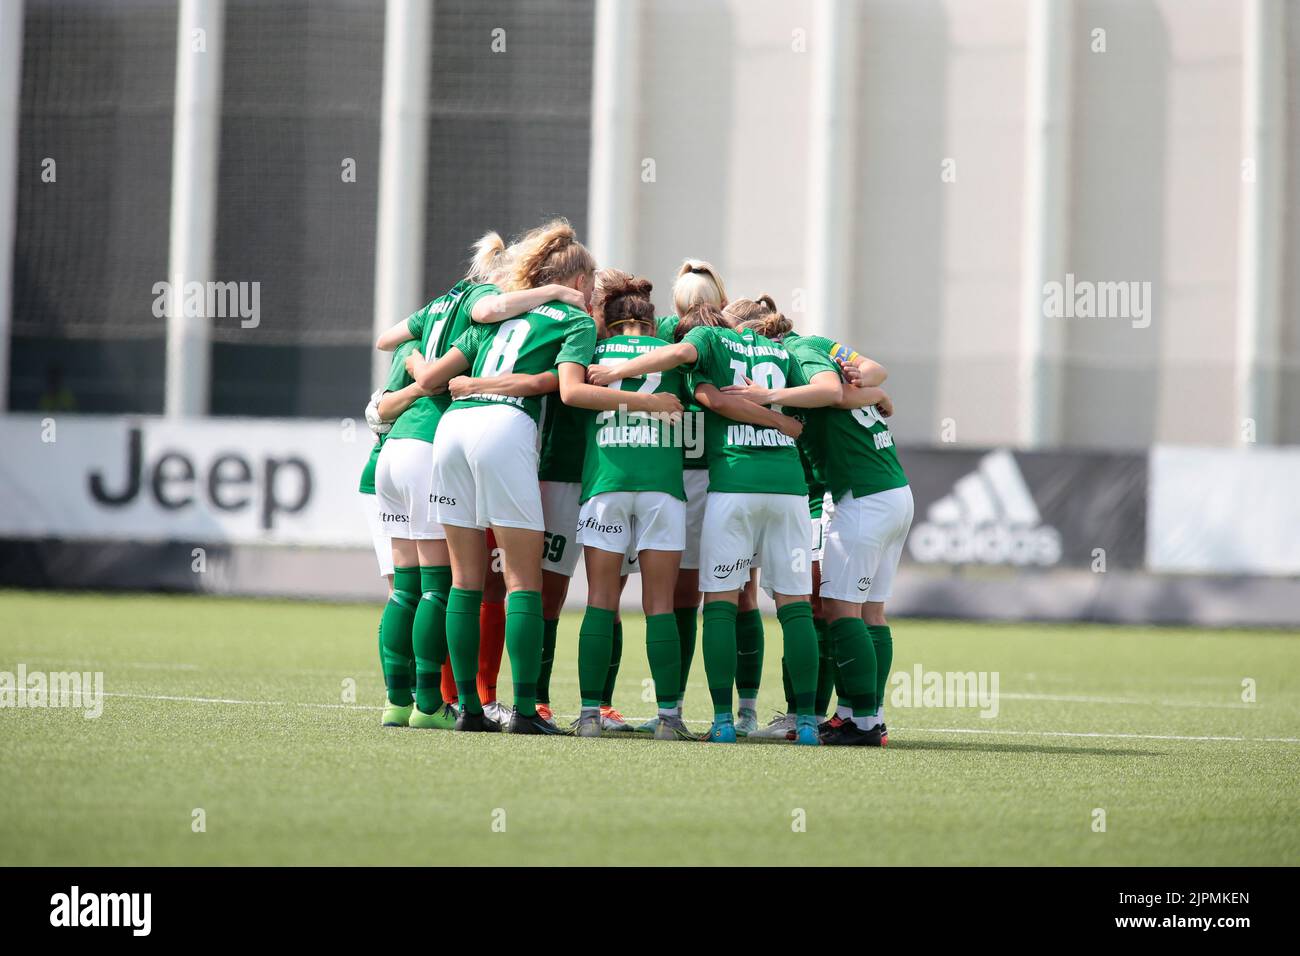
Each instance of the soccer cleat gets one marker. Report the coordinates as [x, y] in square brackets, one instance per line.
[723, 730]
[848, 734]
[544, 711]
[444, 718]
[826, 726]
[499, 712]
[395, 716]
[884, 735]
[673, 728]
[805, 730]
[649, 727]
[780, 728]
[587, 725]
[612, 720]
[746, 722]
[519, 724]
[479, 723]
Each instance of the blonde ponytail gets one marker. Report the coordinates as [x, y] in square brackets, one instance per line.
[698, 283]
[549, 253]
[487, 258]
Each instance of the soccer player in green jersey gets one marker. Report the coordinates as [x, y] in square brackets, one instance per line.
[697, 283]
[416, 611]
[757, 506]
[633, 502]
[865, 535]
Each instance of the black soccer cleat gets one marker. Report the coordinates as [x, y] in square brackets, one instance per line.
[536, 724]
[479, 723]
[848, 734]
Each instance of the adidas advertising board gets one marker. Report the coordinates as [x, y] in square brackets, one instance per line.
[1026, 509]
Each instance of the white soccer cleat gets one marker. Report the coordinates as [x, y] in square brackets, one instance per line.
[499, 712]
[780, 728]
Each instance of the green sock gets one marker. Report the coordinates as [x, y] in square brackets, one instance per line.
[395, 635]
[429, 636]
[856, 660]
[462, 645]
[825, 667]
[883, 642]
[688, 620]
[800, 639]
[615, 658]
[787, 687]
[662, 648]
[749, 652]
[524, 645]
[720, 653]
[549, 630]
[595, 644]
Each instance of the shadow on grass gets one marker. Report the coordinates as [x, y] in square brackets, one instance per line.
[972, 746]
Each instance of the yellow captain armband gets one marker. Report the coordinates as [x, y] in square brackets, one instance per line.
[842, 353]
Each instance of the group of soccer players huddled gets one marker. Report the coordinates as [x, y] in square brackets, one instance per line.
[538, 409]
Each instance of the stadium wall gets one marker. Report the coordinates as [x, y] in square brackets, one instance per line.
[270, 507]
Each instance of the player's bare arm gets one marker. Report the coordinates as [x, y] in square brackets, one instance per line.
[857, 396]
[392, 337]
[743, 410]
[660, 360]
[506, 305]
[433, 376]
[393, 404]
[575, 391]
[824, 389]
[516, 384]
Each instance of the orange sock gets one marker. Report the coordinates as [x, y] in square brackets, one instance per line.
[448, 684]
[491, 641]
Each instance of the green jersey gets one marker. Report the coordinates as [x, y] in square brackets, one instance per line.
[530, 344]
[665, 325]
[742, 457]
[633, 451]
[367, 486]
[434, 328]
[855, 449]
[564, 441]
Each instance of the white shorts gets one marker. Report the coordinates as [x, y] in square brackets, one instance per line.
[560, 515]
[629, 522]
[744, 530]
[383, 544]
[864, 541]
[403, 477]
[819, 526]
[485, 469]
[696, 481]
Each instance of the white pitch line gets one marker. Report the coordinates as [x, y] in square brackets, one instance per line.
[1083, 699]
[923, 730]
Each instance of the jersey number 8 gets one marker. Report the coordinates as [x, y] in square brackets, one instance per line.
[506, 344]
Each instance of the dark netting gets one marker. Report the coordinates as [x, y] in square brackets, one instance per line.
[98, 79]
[302, 93]
[509, 131]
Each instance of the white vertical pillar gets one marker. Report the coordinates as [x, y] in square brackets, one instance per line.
[1046, 207]
[11, 81]
[615, 172]
[399, 231]
[1259, 235]
[833, 110]
[196, 138]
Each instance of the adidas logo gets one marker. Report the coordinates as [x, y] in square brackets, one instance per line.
[989, 517]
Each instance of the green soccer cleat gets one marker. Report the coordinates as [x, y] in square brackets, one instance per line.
[395, 716]
[444, 718]
[746, 722]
